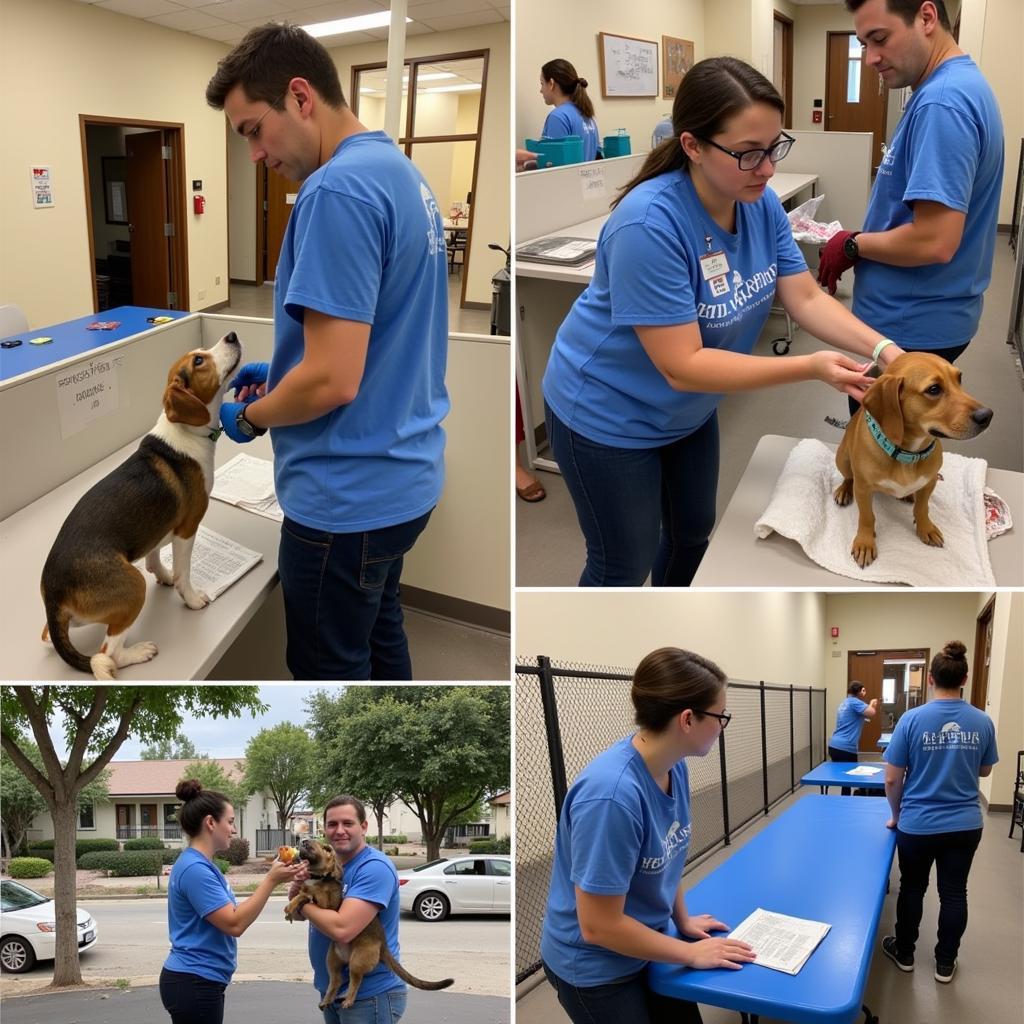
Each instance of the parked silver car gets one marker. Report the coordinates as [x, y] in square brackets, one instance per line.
[479, 884]
[28, 927]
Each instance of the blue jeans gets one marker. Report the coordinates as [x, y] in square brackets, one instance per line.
[342, 607]
[949, 354]
[642, 510]
[190, 999]
[385, 1008]
[626, 1001]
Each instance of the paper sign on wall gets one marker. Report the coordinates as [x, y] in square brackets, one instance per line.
[42, 187]
[87, 392]
[592, 182]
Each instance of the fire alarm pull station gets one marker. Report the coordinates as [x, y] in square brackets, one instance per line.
[835, 632]
[816, 116]
[198, 204]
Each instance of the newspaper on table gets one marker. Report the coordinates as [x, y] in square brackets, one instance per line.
[864, 769]
[217, 562]
[248, 483]
[781, 943]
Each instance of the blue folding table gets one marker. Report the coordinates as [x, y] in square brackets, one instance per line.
[883, 741]
[837, 773]
[823, 860]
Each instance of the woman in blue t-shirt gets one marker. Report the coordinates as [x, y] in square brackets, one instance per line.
[203, 917]
[688, 265]
[623, 835]
[564, 90]
[845, 741]
[937, 754]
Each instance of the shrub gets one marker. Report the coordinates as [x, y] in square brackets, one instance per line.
[99, 860]
[237, 852]
[144, 843]
[126, 864]
[222, 864]
[94, 845]
[503, 845]
[169, 856]
[42, 844]
[41, 854]
[394, 839]
[29, 867]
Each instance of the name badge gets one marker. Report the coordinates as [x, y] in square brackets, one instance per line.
[719, 285]
[714, 264]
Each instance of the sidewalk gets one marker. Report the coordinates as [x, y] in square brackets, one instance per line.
[247, 1002]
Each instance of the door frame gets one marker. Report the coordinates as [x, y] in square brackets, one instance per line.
[894, 653]
[174, 137]
[876, 159]
[787, 56]
[979, 670]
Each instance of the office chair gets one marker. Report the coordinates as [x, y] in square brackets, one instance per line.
[12, 321]
[1017, 809]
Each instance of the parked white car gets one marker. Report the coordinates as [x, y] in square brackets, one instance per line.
[28, 927]
[479, 884]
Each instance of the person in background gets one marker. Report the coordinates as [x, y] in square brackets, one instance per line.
[937, 754]
[204, 919]
[924, 257]
[620, 849]
[564, 90]
[850, 717]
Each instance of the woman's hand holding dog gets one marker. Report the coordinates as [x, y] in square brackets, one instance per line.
[841, 371]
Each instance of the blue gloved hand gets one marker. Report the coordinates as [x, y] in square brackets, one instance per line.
[229, 421]
[252, 375]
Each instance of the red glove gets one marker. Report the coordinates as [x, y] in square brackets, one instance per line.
[834, 260]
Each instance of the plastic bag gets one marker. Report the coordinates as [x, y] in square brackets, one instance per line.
[806, 228]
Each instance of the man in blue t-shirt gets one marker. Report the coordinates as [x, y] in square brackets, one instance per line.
[924, 258]
[370, 889]
[354, 395]
[844, 743]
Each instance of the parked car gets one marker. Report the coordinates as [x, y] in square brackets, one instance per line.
[28, 927]
[479, 884]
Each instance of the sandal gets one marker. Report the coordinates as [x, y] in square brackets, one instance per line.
[533, 492]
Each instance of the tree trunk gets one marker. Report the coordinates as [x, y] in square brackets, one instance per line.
[66, 969]
[380, 828]
[433, 846]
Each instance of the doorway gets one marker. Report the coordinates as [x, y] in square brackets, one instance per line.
[982, 655]
[135, 186]
[896, 678]
[782, 64]
[855, 95]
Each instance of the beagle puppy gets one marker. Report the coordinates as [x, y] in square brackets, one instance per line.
[891, 442]
[160, 492]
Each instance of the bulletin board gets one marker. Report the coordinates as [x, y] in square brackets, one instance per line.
[629, 67]
[677, 55]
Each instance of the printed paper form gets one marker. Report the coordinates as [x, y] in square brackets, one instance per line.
[217, 562]
[248, 483]
[781, 943]
[863, 769]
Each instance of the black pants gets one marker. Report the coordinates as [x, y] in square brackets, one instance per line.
[190, 999]
[627, 1001]
[842, 757]
[952, 854]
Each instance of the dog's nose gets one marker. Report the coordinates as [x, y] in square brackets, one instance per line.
[983, 417]
[231, 338]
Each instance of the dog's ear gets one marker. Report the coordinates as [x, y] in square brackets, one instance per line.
[181, 406]
[882, 400]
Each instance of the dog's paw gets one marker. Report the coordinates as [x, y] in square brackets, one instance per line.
[864, 551]
[324, 1005]
[144, 650]
[929, 533]
[195, 599]
[844, 493]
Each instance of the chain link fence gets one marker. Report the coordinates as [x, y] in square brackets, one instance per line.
[567, 713]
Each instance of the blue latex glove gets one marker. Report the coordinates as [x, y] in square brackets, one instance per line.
[251, 375]
[228, 420]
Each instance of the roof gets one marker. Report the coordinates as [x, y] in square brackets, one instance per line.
[501, 798]
[138, 778]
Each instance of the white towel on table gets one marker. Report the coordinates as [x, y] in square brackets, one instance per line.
[802, 508]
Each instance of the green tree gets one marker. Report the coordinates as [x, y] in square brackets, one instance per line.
[96, 721]
[280, 762]
[441, 749]
[177, 748]
[212, 776]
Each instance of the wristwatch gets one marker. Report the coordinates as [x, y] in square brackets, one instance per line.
[850, 248]
[247, 428]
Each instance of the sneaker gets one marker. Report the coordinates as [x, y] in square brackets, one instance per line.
[904, 963]
[944, 972]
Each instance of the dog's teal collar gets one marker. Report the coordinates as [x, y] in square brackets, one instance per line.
[894, 451]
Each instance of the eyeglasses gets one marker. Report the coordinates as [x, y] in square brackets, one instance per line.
[725, 719]
[751, 159]
[254, 131]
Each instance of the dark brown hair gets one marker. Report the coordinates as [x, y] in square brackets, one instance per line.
[563, 74]
[712, 91]
[907, 10]
[267, 59]
[854, 687]
[345, 798]
[949, 666]
[197, 803]
[670, 680]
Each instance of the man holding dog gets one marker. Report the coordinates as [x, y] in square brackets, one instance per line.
[354, 395]
[924, 258]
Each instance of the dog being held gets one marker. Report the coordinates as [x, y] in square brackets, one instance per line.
[891, 443]
[160, 492]
[367, 949]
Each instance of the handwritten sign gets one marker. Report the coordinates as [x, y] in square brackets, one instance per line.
[87, 392]
[629, 67]
[592, 183]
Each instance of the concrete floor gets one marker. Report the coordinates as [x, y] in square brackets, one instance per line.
[987, 988]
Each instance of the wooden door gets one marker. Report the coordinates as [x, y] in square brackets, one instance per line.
[149, 825]
[982, 656]
[147, 213]
[281, 193]
[124, 820]
[868, 667]
[782, 63]
[855, 95]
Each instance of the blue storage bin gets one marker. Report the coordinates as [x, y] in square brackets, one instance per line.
[616, 145]
[557, 152]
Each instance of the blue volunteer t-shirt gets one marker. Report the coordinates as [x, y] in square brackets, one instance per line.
[369, 876]
[365, 242]
[618, 834]
[948, 149]
[942, 744]
[849, 722]
[599, 380]
[197, 888]
[566, 119]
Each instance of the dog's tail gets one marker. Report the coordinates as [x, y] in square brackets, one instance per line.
[58, 618]
[394, 965]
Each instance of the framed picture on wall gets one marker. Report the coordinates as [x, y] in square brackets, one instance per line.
[629, 67]
[115, 196]
[677, 59]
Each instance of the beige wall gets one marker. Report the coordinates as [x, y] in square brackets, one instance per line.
[59, 59]
[545, 31]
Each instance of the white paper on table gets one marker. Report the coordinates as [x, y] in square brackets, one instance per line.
[781, 943]
[217, 562]
[863, 769]
[248, 483]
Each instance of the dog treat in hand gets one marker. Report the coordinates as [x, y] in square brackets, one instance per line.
[287, 854]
